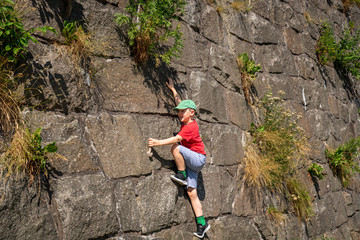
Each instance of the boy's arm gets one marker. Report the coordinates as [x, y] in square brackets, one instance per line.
[168, 141]
[171, 86]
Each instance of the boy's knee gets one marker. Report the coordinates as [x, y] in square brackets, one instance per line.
[175, 148]
[192, 192]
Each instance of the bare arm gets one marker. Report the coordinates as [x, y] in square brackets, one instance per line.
[168, 141]
[171, 86]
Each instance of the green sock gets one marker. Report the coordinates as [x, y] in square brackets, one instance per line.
[200, 220]
[183, 173]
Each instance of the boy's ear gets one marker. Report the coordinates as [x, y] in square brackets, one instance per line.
[192, 111]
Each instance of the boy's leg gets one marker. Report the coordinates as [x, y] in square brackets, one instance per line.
[202, 225]
[180, 177]
[195, 201]
[179, 159]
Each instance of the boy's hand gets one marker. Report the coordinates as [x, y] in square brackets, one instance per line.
[153, 142]
[170, 84]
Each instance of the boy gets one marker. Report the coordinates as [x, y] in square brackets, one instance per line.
[190, 156]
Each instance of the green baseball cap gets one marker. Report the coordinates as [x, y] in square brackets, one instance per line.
[184, 104]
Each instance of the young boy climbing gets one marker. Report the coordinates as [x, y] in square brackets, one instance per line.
[189, 155]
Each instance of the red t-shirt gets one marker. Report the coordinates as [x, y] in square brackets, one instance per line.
[191, 137]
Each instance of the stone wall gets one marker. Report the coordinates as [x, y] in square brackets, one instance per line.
[108, 188]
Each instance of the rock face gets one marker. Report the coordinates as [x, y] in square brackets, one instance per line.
[108, 188]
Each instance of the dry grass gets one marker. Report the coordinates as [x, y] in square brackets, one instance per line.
[9, 101]
[261, 171]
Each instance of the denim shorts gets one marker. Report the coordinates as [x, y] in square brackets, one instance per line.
[194, 163]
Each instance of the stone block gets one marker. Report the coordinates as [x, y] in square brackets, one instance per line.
[223, 67]
[126, 206]
[306, 67]
[211, 26]
[239, 112]
[160, 202]
[231, 227]
[191, 55]
[321, 126]
[85, 206]
[228, 188]
[209, 97]
[24, 211]
[212, 192]
[120, 145]
[226, 144]
[262, 31]
[275, 59]
[159, 128]
[129, 90]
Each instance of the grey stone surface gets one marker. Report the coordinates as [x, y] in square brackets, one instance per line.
[85, 206]
[24, 214]
[160, 202]
[118, 141]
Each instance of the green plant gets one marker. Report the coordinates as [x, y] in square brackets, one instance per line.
[316, 170]
[150, 27]
[13, 37]
[248, 70]
[26, 154]
[278, 149]
[344, 160]
[345, 54]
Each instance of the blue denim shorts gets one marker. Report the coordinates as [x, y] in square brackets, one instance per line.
[194, 163]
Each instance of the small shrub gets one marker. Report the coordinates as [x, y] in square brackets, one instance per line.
[26, 154]
[316, 170]
[150, 26]
[13, 37]
[275, 215]
[248, 70]
[344, 161]
[344, 54]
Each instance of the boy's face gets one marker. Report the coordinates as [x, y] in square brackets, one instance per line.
[186, 115]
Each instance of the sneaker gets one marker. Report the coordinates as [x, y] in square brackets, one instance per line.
[201, 230]
[179, 178]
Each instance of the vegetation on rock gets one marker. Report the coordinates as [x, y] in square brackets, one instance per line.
[150, 25]
[316, 170]
[248, 70]
[278, 149]
[344, 161]
[344, 54]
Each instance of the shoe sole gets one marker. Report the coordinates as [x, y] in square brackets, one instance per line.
[202, 236]
[181, 182]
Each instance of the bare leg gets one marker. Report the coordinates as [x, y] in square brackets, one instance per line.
[195, 201]
[179, 159]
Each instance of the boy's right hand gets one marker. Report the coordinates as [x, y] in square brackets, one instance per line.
[170, 84]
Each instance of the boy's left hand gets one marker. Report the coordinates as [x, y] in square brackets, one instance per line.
[153, 142]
